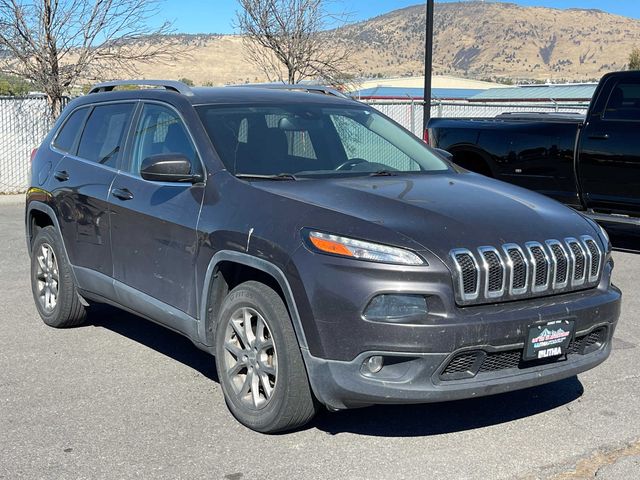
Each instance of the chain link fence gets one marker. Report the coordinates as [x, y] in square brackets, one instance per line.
[409, 113]
[24, 122]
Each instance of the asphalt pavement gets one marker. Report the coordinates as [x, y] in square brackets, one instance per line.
[122, 397]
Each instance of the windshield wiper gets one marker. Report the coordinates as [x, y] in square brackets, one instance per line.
[258, 176]
[383, 173]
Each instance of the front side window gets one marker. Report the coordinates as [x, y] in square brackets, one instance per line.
[312, 140]
[160, 131]
[103, 137]
[624, 102]
[67, 135]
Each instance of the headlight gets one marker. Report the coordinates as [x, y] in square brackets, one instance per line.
[361, 250]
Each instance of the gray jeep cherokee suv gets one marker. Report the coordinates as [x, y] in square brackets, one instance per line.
[321, 252]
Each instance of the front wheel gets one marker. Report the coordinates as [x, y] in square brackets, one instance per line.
[259, 363]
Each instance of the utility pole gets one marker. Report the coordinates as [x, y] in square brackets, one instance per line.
[428, 64]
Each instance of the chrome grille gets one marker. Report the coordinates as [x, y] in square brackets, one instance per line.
[595, 257]
[559, 264]
[579, 261]
[540, 266]
[494, 270]
[511, 272]
[468, 273]
[518, 267]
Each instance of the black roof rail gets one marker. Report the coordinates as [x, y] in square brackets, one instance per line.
[172, 85]
[297, 87]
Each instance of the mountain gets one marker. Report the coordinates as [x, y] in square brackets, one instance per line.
[480, 39]
[472, 39]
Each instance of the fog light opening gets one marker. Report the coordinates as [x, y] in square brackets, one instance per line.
[374, 364]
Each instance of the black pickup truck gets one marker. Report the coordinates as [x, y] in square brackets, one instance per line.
[590, 163]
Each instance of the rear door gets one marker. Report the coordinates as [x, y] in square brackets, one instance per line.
[609, 151]
[153, 224]
[91, 140]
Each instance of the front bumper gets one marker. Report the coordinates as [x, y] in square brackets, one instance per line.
[412, 378]
[418, 355]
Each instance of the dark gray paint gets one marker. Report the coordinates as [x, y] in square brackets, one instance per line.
[182, 232]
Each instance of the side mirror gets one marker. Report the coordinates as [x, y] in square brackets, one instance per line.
[444, 154]
[168, 167]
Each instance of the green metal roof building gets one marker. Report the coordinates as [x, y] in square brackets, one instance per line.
[538, 93]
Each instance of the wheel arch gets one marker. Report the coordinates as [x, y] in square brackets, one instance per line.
[472, 158]
[227, 269]
[40, 215]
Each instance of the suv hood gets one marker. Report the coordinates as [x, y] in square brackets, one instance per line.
[441, 211]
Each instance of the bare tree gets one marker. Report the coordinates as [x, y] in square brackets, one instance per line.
[56, 43]
[287, 40]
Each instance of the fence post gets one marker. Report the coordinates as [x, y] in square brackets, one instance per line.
[440, 108]
[413, 117]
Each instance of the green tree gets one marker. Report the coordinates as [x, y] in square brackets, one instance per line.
[634, 59]
[13, 86]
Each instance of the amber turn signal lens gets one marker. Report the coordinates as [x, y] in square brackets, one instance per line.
[330, 246]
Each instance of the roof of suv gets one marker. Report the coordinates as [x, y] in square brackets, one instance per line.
[221, 95]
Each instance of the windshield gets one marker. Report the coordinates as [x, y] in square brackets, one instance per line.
[311, 140]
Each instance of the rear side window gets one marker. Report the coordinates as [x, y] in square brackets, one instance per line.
[103, 136]
[67, 135]
[624, 102]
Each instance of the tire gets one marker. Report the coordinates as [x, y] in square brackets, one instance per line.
[267, 390]
[52, 282]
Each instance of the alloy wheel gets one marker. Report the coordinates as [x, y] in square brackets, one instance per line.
[47, 278]
[250, 360]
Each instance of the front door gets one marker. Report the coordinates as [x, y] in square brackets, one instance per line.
[609, 153]
[153, 224]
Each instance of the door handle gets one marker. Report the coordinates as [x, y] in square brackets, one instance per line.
[61, 175]
[122, 193]
[599, 136]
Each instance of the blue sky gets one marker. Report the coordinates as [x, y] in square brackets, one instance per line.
[216, 16]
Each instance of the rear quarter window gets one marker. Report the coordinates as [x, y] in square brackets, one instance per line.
[67, 135]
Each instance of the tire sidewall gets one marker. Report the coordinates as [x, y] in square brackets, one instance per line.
[240, 297]
[49, 236]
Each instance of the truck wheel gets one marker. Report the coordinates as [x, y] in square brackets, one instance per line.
[259, 363]
[52, 283]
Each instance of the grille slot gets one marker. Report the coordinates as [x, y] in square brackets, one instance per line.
[540, 264]
[491, 274]
[579, 262]
[596, 258]
[519, 270]
[468, 273]
[561, 262]
[501, 361]
[463, 365]
[588, 343]
[494, 272]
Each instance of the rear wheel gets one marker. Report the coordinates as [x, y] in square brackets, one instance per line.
[259, 363]
[52, 283]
